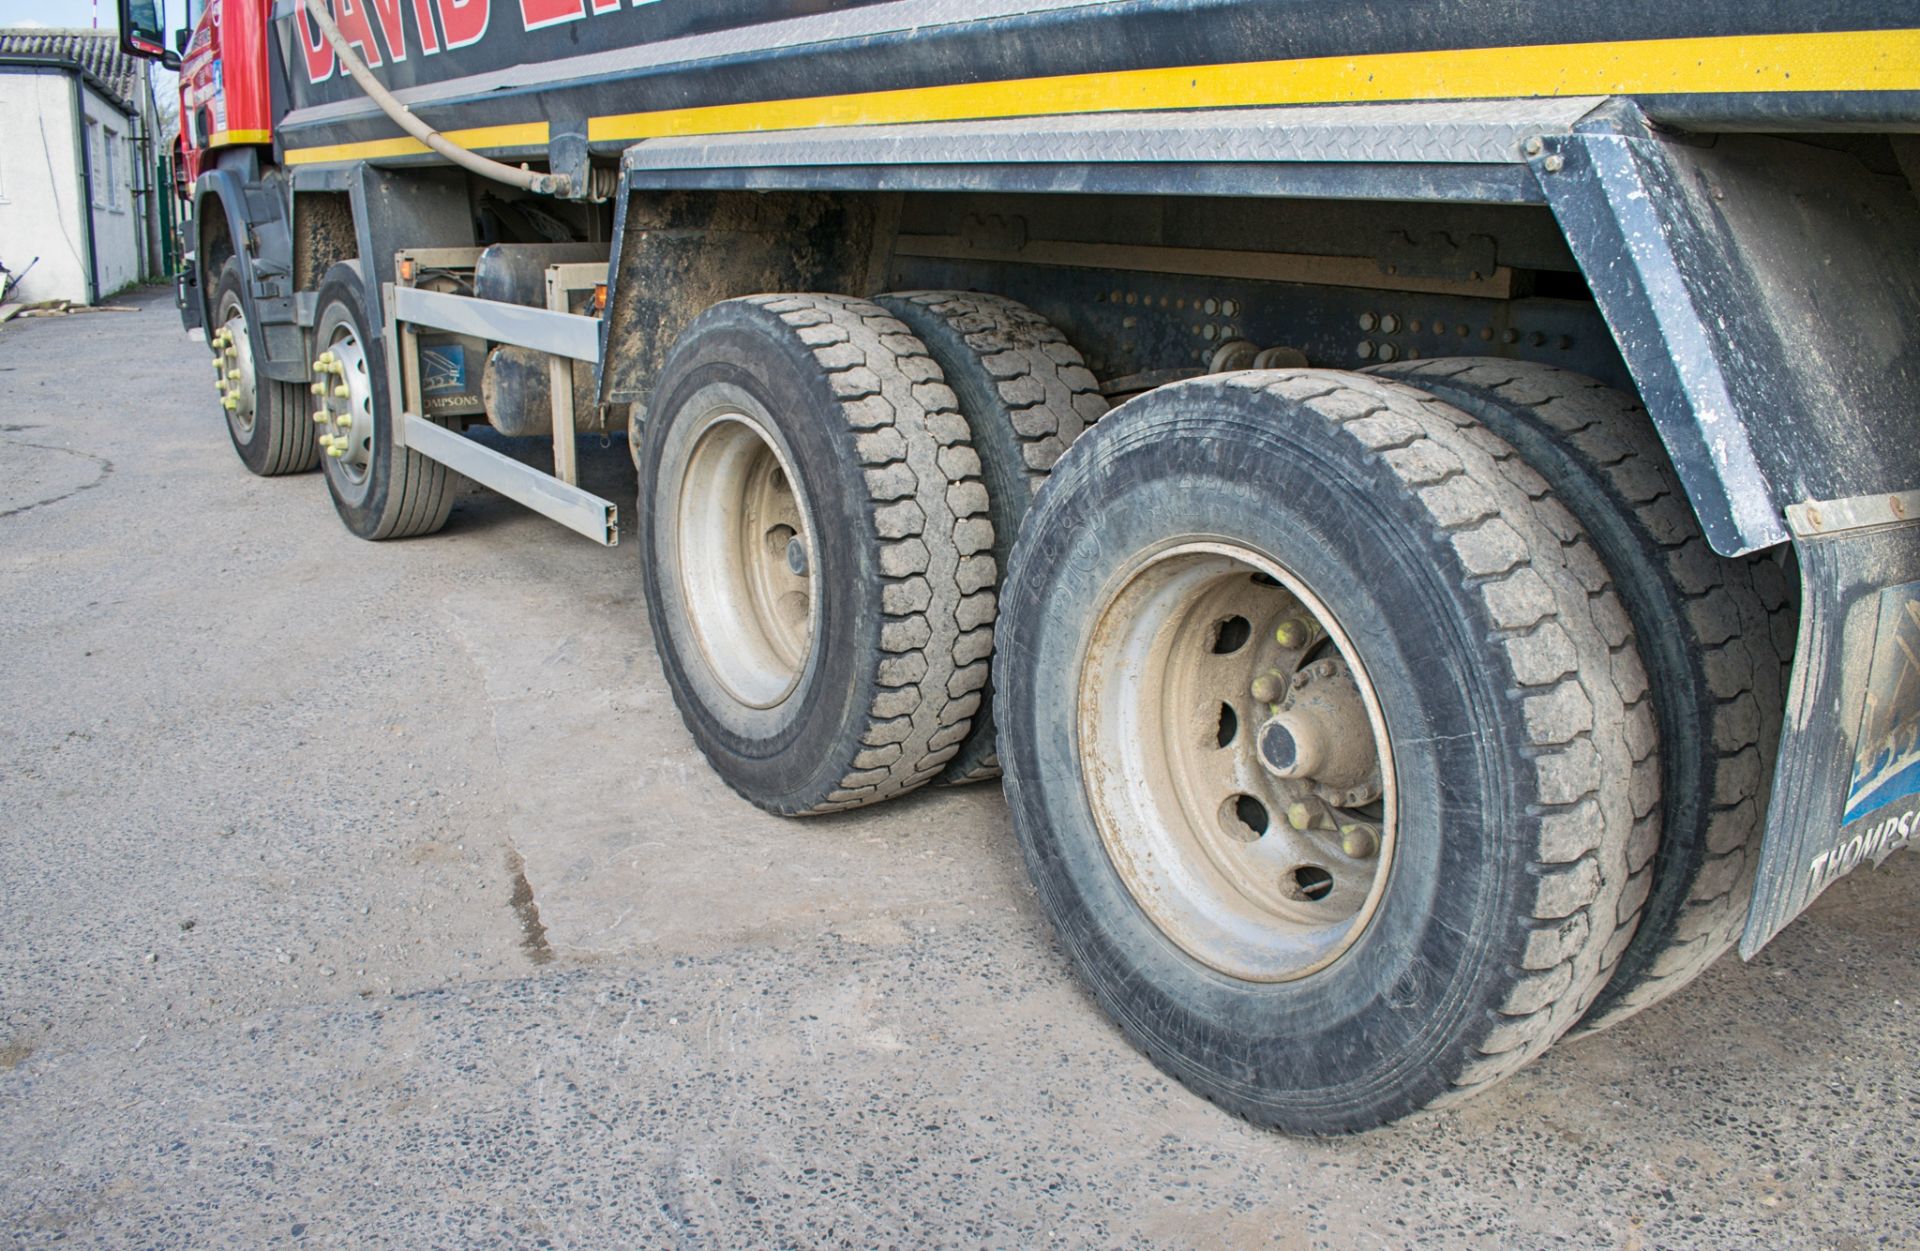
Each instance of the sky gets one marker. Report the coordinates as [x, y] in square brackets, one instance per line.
[78, 13]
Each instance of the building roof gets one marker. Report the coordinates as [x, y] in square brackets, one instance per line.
[95, 51]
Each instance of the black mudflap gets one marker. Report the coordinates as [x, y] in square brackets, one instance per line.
[1847, 788]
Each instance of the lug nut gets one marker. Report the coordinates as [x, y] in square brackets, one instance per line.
[1269, 687]
[230, 403]
[337, 450]
[341, 392]
[1359, 841]
[318, 388]
[320, 418]
[1293, 632]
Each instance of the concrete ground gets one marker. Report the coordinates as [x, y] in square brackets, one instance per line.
[372, 895]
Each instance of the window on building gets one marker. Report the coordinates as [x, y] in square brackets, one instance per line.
[96, 161]
[113, 166]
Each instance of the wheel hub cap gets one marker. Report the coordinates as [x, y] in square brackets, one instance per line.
[343, 406]
[233, 376]
[746, 560]
[1236, 761]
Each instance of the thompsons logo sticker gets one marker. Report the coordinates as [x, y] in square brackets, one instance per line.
[1883, 801]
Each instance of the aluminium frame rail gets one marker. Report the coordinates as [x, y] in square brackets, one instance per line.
[565, 336]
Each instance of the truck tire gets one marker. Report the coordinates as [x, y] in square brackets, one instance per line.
[380, 491]
[816, 551]
[1027, 395]
[268, 421]
[1295, 549]
[1707, 628]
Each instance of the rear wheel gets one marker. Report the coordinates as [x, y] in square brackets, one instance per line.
[1320, 739]
[380, 490]
[267, 420]
[1707, 627]
[1027, 395]
[816, 551]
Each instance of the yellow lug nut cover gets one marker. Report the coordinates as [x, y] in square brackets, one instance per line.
[341, 391]
[231, 402]
[337, 451]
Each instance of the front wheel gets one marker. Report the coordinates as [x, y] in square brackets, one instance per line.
[381, 490]
[267, 420]
[1320, 737]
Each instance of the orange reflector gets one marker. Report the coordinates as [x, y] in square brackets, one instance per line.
[406, 269]
[600, 297]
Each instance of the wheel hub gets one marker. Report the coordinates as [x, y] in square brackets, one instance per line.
[233, 376]
[1237, 761]
[746, 559]
[343, 406]
[1319, 735]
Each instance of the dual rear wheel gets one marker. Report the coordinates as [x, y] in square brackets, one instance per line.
[1329, 750]
[1475, 569]
[823, 495]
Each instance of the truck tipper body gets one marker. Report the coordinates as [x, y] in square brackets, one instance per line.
[1418, 504]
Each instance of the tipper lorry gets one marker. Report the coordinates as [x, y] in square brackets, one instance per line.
[1418, 504]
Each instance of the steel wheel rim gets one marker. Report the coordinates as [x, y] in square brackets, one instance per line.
[346, 422]
[1257, 876]
[233, 367]
[746, 554]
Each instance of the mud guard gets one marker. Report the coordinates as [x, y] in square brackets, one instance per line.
[1847, 788]
[1764, 297]
[255, 215]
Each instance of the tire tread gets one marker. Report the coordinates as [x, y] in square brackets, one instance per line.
[1047, 399]
[1575, 672]
[1739, 610]
[939, 579]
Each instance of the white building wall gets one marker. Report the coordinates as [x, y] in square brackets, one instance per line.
[116, 226]
[40, 186]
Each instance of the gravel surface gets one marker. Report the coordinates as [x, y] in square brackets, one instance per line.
[372, 895]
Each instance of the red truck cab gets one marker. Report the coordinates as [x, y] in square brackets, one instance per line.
[223, 80]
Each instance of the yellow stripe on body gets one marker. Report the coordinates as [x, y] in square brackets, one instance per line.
[1843, 61]
[517, 135]
[1846, 61]
[239, 136]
